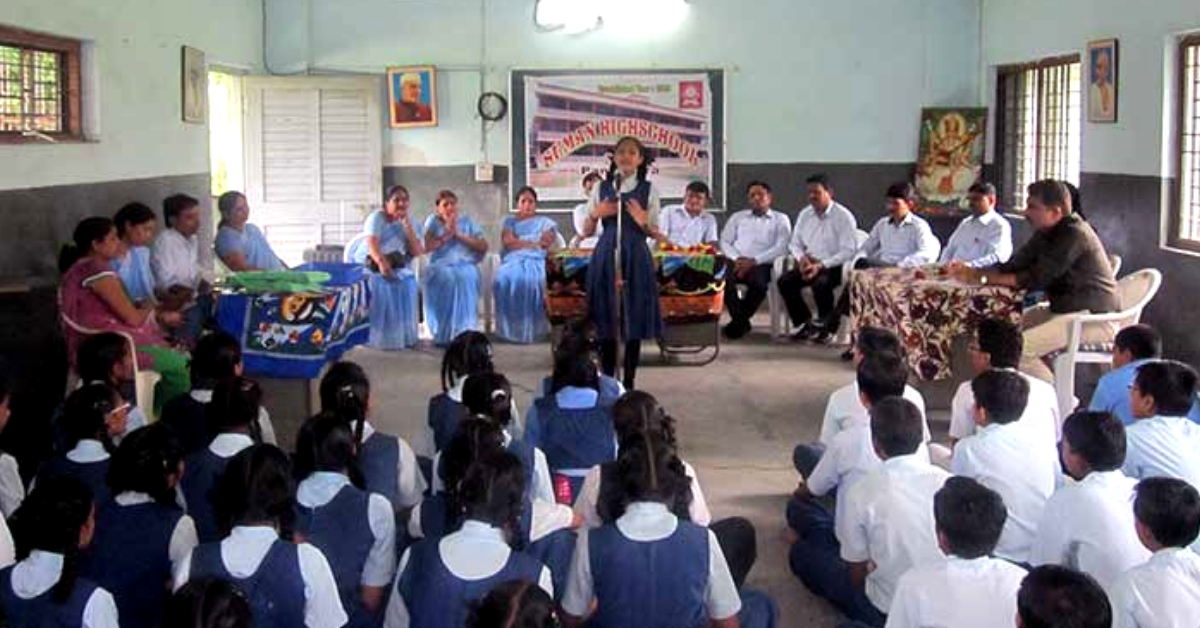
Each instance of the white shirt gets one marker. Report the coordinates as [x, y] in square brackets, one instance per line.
[628, 184]
[845, 410]
[888, 520]
[87, 451]
[980, 241]
[764, 238]
[1089, 526]
[321, 487]
[8, 549]
[1041, 410]
[646, 522]
[243, 551]
[1163, 446]
[589, 497]
[39, 572]
[12, 489]
[542, 488]
[579, 218]
[684, 229]
[425, 439]
[957, 592]
[264, 418]
[183, 537]
[1023, 468]
[829, 236]
[1162, 593]
[175, 260]
[410, 483]
[475, 552]
[229, 444]
[910, 243]
[545, 518]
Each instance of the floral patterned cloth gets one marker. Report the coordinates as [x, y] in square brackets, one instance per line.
[927, 311]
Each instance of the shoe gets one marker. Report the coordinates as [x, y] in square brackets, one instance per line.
[734, 330]
[808, 331]
[823, 337]
[847, 355]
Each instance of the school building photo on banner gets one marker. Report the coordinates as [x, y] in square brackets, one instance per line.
[412, 96]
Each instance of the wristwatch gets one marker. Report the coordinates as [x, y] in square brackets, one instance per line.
[982, 279]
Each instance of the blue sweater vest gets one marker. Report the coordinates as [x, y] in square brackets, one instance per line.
[444, 416]
[655, 584]
[341, 529]
[436, 598]
[92, 474]
[42, 611]
[575, 438]
[204, 468]
[379, 461]
[275, 591]
[131, 559]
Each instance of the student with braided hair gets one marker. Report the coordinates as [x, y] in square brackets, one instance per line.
[515, 604]
[92, 416]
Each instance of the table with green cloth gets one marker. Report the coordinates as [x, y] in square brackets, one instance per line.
[291, 323]
[691, 286]
[927, 310]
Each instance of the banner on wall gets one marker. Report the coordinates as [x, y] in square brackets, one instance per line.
[571, 121]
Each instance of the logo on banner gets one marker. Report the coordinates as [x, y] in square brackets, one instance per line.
[691, 95]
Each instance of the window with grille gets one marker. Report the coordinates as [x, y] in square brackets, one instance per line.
[1039, 115]
[39, 86]
[1186, 218]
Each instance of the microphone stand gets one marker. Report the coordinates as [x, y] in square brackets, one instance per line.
[618, 283]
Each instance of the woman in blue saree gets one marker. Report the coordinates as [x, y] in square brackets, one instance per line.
[455, 245]
[135, 226]
[240, 245]
[387, 244]
[521, 279]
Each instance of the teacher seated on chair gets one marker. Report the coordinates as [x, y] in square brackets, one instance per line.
[688, 224]
[241, 245]
[1065, 258]
[753, 238]
[455, 245]
[387, 245]
[520, 285]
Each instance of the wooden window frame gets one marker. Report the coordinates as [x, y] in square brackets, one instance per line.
[1175, 237]
[1009, 193]
[69, 87]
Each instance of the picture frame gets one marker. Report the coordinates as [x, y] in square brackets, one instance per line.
[412, 96]
[194, 86]
[1103, 92]
[950, 157]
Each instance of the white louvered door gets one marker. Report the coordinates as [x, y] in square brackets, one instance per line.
[313, 158]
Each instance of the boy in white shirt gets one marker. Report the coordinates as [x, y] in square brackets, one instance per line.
[1088, 525]
[688, 224]
[968, 588]
[1164, 592]
[1163, 441]
[887, 525]
[1008, 458]
[1057, 597]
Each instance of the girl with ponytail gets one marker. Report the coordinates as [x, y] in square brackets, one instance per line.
[53, 526]
[356, 530]
[92, 416]
[389, 466]
[469, 354]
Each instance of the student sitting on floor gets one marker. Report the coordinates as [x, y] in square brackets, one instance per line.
[439, 576]
[515, 604]
[1057, 597]
[1088, 524]
[92, 415]
[142, 534]
[579, 338]
[1165, 591]
[216, 358]
[354, 529]
[288, 584]
[106, 359]
[470, 353]
[1006, 456]
[388, 464]
[209, 603]
[52, 528]
[1133, 347]
[231, 414]
[885, 525]
[968, 588]
[649, 568]
[1163, 441]
[12, 487]
[998, 345]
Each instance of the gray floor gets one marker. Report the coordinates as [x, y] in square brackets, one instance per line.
[738, 418]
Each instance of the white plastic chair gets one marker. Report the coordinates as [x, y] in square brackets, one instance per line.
[351, 246]
[487, 297]
[1135, 292]
[1115, 261]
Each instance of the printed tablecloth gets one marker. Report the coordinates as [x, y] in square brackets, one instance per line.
[691, 286]
[927, 311]
[292, 335]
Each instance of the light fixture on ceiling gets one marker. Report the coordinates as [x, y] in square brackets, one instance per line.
[573, 17]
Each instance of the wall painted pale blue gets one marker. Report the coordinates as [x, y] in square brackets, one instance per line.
[807, 80]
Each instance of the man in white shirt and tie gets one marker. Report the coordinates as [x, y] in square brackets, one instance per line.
[753, 239]
[984, 238]
[823, 240]
[688, 224]
[175, 262]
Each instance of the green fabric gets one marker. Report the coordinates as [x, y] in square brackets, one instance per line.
[278, 281]
[173, 366]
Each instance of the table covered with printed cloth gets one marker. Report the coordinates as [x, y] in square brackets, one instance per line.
[290, 324]
[691, 285]
[927, 310]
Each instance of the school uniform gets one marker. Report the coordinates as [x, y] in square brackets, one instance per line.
[437, 578]
[12, 487]
[1164, 592]
[611, 389]
[843, 411]
[138, 541]
[1041, 411]
[389, 467]
[652, 570]
[446, 412]
[187, 415]
[27, 592]
[203, 469]
[355, 530]
[8, 549]
[539, 484]
[1166, 446]
[451, 281]
[1112, 393]
[520, 284]
[975, 592]
[88, 462]
[287, 584]
[574, 430]
[1023, 467]
[1089, 526]
[587, 501]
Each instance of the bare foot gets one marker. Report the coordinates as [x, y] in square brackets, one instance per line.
[788, 536]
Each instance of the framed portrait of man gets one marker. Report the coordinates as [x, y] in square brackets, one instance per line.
[1102, 81]
[412, 96]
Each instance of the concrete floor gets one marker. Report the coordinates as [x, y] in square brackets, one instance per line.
[738, 419]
